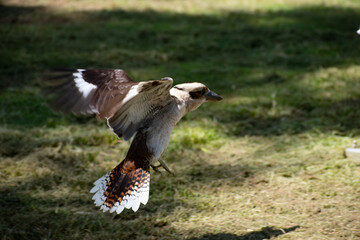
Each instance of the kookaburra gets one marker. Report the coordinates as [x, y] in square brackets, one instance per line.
[148, 109]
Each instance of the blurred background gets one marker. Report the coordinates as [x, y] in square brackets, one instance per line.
[266, 162]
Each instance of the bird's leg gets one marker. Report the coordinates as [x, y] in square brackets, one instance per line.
[156, 168]
[162, 163]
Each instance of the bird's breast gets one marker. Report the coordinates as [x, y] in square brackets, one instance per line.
[158, 139]
[160, 130]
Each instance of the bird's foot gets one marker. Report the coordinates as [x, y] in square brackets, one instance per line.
[156, 168]
[162, 163]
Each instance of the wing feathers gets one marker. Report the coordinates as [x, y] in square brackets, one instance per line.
[112, 95]
[137, 109]
[83, 86]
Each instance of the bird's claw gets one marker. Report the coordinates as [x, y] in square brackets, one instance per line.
[162, 164]
[156, 168]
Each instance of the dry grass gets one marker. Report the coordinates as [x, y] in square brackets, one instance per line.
[267, 162]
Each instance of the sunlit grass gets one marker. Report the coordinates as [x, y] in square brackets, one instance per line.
[266, 162]
[178, 6]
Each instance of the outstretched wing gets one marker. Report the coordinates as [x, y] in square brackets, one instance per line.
[112, 95]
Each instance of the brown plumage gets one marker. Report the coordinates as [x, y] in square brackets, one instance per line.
[149, 110]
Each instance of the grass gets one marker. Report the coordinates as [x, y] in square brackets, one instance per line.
[267, 162]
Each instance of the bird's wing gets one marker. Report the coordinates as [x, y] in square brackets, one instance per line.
[111, 94]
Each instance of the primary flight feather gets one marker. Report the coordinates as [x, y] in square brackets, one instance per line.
[149, 110]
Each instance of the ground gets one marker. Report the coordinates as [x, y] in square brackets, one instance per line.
[267, 162]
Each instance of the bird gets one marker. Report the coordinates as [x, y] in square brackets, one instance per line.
[145, 111]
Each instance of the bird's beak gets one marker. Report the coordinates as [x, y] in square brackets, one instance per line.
[212, 97]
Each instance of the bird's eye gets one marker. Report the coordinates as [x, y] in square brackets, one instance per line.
[198, 94]
[203, 91]
[179, 88]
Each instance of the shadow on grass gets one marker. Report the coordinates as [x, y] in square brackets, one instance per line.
[222, 173]
[251, 54]
[264, 233]
[324, 115]
[266, 51]
[27, 215]
[49, 213]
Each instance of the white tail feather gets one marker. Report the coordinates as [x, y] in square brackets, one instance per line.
[139, 195]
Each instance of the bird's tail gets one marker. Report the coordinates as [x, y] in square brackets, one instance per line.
[126, 186]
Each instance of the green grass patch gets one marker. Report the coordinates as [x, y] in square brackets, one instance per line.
[266, 162]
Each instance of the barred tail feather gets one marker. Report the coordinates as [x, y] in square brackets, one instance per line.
[126, 186]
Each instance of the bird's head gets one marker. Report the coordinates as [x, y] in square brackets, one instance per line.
[193, 94]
